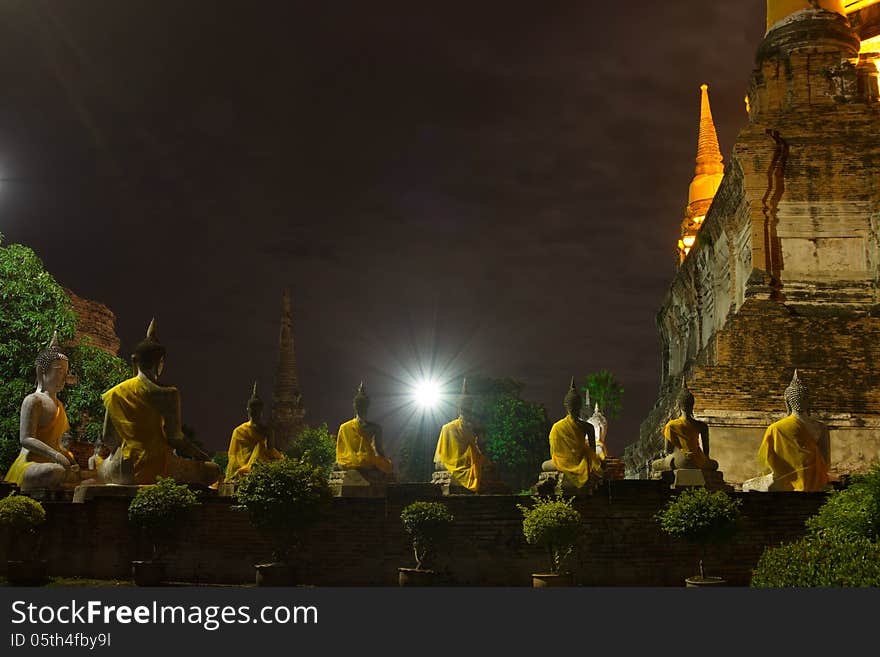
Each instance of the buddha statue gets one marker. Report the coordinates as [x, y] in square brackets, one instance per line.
[796, 450]
[600, 429]
[249, 443]
[572, 444]
[458, 450]
[43, 463]
[687, 440]
[359, 441]
[142, 427]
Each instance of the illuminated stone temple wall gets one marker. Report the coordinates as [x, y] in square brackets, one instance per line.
[784, 270]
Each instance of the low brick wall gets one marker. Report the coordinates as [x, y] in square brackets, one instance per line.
[362, 542]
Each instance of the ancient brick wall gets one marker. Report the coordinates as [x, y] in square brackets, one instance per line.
[361, 541]
[96, 322]
[785, 270]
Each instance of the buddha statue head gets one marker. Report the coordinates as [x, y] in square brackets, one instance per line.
[255, 406]
[572, 401]
[466, 404]
[797, 396]
[52, 367]
[149, 354]
[361, 402]
[686, 402]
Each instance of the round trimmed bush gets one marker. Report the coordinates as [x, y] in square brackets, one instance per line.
[427, 524]
[554, 524]
[160, 509]
[21, 513]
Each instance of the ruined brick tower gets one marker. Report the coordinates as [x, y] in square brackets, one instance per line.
[785, 270]
[287, 406]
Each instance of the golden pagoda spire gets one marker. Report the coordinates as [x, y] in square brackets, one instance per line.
[708, 174]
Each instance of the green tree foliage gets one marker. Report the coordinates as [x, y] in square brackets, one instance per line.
[427, 524]
[32, 306]
[315, 446]
[96, 372]
[555, 525]
[841, 547]
[515, 431]
[701, 517]
[21, 513]
[853, 512]
[222, 460]
[819, 561]
[160, 510]
[283, 498]
[605, 390]
[413, 461]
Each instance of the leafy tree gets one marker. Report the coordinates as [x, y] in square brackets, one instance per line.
[160, 510]
[605, 390]
[283, 499]
[853, 512]
[222, 460]
[32, 306]
[315, 446]
[427, 524]
[413, 462]
[819, 561]
[96, 372]
[515, 431]
[555, 525]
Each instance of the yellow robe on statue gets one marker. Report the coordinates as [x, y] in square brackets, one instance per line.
[354, 448]
[686, 437]
[793, 456]
[51, 435]
[246, 447]
[571, 453]
[140, 427]
[457, 450]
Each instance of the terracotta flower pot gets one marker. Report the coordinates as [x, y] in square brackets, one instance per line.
[697, 581]
[26, 573]
[416, 577]
[274, 574]
[546, 580]
[148, 573]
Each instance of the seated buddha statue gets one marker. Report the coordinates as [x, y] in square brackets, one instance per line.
[359, 441]
[687, 440]
[796, 449]
[249, 443]
[142, 427]
[458, 449]
[43, 462]
[572, 444]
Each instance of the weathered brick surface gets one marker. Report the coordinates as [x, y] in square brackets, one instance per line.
[96, 322]
[784, 274]
[362, 542]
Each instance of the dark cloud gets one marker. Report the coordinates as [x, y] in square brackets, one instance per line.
[488, 186]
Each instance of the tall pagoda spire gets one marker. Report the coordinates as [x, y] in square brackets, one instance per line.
[708, 174]
[287, 406]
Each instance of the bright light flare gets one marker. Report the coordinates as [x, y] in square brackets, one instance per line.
[427, 394]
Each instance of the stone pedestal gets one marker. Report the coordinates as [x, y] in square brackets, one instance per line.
[758, 484]
[613, 468]
[85, 493]
[690, 477]
[226, 489]
[550, 483]
[449, 485]
[359, 483]
[50, 494]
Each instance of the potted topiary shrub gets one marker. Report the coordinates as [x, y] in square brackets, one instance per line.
[554, 524]
[283, 499]
[427, 524]
[704, 518]
[21, 517]
[159, 511]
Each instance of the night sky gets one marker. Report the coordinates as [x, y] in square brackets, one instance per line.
[494, 187]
